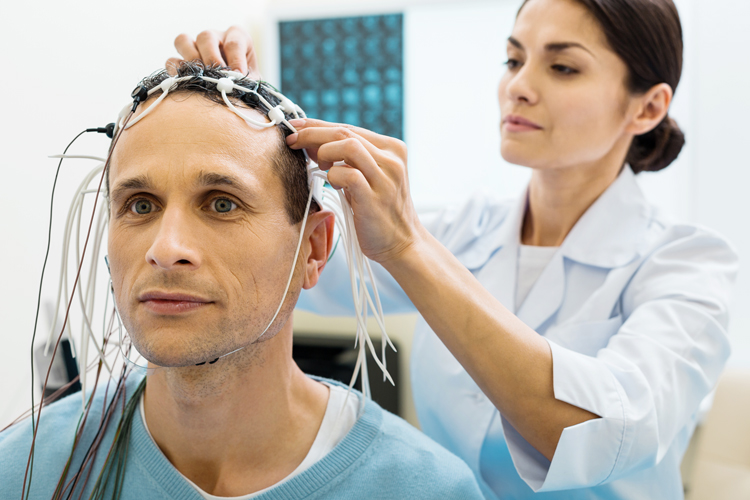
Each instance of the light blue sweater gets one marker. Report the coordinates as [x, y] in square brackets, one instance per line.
[381, 457]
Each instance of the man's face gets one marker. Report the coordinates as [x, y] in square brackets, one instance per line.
[200, 246]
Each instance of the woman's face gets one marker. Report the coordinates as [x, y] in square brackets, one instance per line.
[563, 100]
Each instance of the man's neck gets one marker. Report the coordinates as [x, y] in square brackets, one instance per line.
[241, 424]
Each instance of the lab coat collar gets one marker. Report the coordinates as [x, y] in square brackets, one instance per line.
[607, 234]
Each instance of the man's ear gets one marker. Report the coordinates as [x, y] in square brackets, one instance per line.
[319, 242]
[651, 109]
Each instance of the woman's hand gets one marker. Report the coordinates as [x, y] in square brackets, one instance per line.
[232, 48]
[375, 181]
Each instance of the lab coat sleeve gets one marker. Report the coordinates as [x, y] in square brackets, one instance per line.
[650, 379]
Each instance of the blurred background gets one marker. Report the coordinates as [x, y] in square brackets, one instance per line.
[422, 70]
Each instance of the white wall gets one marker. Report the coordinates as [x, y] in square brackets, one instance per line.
[83, 60]
[721, 109]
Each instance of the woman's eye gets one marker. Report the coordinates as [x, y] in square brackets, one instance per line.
[565, 70]
[512, 63]
[223, 205]
[141, 207]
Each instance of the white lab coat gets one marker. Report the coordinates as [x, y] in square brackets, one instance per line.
[635, 312]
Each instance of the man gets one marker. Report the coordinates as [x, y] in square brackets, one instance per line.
[205, 216]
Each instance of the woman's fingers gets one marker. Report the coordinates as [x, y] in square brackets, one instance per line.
[377, 140]
[352, 181]
[185, 46]
[354, 153]
[233, 48]
[172, 64]
[328, 144]
[208, 44]
[239, 51]
[374, 179]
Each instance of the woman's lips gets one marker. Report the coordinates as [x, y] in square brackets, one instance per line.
[172, 303]
[514, 123]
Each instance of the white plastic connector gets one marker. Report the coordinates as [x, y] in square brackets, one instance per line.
[276, 115]
[225, 85]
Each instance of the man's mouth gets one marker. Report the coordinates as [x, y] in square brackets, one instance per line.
[170, 303]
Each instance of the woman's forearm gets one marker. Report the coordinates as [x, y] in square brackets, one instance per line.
[509, 361]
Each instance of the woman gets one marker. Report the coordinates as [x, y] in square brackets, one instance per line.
[566, 340]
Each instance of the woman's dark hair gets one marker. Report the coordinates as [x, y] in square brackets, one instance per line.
[647, 35]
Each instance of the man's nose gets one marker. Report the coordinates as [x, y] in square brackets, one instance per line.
[175, 245]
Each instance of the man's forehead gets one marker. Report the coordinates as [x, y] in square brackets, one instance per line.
[193, 132]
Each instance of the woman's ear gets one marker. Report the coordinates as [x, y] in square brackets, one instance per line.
[319, 243]
[651, 108]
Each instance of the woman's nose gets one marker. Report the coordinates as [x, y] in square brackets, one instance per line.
[521, 87]
[175, 244]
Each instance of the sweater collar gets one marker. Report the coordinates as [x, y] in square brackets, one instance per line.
[154, 464]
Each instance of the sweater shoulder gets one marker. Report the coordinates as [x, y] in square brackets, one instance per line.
[419, 466]
[57, 428]
[54, 440]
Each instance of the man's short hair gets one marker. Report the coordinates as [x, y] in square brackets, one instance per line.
[289, 165]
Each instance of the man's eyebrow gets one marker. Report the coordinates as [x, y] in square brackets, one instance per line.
[133, 184]
[211, 179]
[551, 47]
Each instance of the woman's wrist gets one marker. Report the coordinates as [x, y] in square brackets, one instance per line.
[411, 252]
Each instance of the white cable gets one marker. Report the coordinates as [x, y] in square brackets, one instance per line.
[63, 285]
[237, 112]
[165, 87]
[84, 157]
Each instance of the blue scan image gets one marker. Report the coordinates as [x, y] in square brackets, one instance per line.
[347, 69]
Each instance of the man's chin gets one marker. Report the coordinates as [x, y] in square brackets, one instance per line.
[171, 356]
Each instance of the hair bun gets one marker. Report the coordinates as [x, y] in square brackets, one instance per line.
[655, 150]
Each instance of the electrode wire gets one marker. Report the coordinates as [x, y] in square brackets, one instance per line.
[38, 305]
[30, 463]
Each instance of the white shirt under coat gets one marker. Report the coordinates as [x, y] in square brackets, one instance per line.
[634, 308]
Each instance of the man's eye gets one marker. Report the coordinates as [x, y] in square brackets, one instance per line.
[223, 205]
[141, 207]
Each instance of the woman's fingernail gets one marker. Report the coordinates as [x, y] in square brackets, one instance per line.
[290, 140]
[297, 122]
